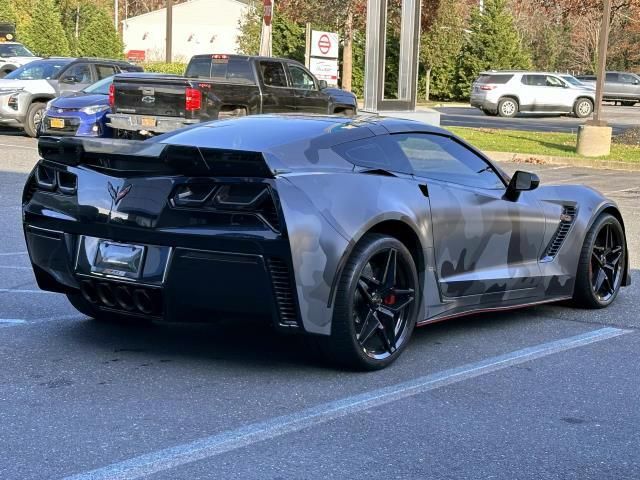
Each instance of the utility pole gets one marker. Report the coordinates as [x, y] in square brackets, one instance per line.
[169, 40]
[602, 62]
[115, 15]
[481, 6]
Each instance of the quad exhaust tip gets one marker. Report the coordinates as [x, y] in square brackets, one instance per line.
[122, 297]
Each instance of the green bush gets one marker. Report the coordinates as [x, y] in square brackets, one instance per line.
[162, 67]
[97, 35]
[43, 32]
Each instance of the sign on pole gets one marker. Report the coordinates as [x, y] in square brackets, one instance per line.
[324, 56]
[324, 44]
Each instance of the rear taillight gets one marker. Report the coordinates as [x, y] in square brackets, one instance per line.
[488, 87]
[192, 99]
[112, 95]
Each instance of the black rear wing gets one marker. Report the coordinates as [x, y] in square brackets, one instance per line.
[130, 157]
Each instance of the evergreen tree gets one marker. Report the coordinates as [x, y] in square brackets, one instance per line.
[493, 43]
[97, 36]
[440, 50]
[43, 32]
[7, 12]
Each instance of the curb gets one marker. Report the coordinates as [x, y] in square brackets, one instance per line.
[571, 161]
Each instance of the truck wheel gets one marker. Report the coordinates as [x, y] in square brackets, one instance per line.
[583, 108]
[629, 103]
[240, 112]
[508, 107]
[34, 118]
[4, 73]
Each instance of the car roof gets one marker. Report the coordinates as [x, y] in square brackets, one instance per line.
[248, 57]
[263, 133]
[523, 72]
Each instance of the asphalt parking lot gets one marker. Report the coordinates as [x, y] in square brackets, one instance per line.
[620, 118]
[549, 392]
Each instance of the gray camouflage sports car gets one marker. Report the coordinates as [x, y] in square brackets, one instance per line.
[352, 231]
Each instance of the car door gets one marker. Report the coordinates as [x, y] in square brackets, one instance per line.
[629, 85]
[484, 244]
[75, 78]
[551, 95]
[612, 87]
[308, 97]
[277, 95]
[105, 70]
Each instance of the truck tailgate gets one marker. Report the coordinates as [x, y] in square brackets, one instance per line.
[161, 96]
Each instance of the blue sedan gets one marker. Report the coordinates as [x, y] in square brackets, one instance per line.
[82, 114]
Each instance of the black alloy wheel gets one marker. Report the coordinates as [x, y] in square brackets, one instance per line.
[602, 264]
[376, 304]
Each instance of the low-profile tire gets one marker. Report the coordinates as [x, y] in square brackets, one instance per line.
[508, 107]
[83, 306]
[376, 305]
[602, 264]
[583, 108]
[34, 117]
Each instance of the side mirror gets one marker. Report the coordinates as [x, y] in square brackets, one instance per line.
[521, 182]
[322, 84]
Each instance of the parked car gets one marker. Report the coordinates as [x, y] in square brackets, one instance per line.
[351, 231]
[508, 93]
[623, 87]
[574, 81]
[25, 92]
[82, 114]
[218, 86]
[13, 55]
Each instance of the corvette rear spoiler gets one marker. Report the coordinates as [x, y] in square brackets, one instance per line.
[139, 157]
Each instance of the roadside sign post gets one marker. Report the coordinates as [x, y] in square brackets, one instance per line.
[266, 47]
[323, 56]
[602, 63]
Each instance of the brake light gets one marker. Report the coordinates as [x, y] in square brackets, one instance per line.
[192, 99]
[488, 87]
[112, 95]
[219, 56]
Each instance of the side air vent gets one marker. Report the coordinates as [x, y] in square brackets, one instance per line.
[283, 291]
[566, 220]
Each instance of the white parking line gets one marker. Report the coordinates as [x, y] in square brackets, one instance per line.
[622, 191]
[10, 254]
[11, 267]
[257, 432]
[11, 321]
[16, 290]
[17, 146]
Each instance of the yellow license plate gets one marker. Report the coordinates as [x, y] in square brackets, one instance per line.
[148, 121]
[57, 122]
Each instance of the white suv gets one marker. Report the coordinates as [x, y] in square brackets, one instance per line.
[507, 93]
[13, 55]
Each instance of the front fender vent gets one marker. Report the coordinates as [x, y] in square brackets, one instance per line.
[567, 218]
[283, 290]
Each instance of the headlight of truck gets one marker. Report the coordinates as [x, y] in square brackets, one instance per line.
[94, 109]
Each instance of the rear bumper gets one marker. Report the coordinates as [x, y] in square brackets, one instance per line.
[122, 121]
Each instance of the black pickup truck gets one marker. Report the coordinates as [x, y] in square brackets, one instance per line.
[219, 86]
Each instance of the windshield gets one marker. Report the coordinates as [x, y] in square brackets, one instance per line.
[100, 87]
[14, 50]
[573, 81]
[38, 70]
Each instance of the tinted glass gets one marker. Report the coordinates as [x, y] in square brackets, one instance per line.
[535, 80]
[273, 74]
[627, 78]
[105, 71]
[443, 158]
[101, 87]
[612, 77]
[199, 68]
[81, 72]
[301, 79]
[234, 70]
[572, 80]
[553, 81]
[39, 70]
[495, 79]
[380, 152]
[14, 50]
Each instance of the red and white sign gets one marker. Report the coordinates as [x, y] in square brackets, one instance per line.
[325, 69]
[268, 12]
[324, 44]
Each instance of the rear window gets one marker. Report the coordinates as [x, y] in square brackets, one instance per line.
[494, 79]
[233, 70]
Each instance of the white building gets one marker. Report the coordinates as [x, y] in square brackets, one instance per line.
[199, 26]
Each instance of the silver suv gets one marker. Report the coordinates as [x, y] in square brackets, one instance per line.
[507, 93]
